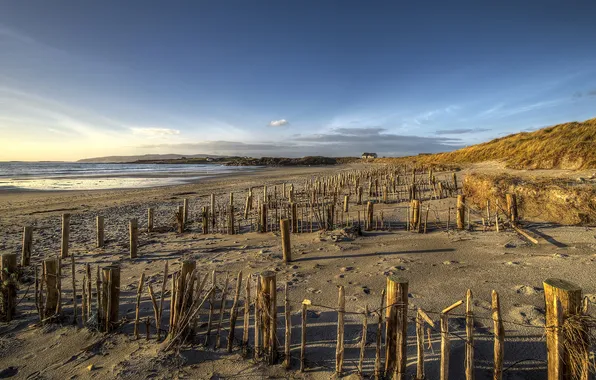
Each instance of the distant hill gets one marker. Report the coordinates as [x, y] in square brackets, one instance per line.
[563, 146]
[145, 157]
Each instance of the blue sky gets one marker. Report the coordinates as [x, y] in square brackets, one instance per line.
[81, 79]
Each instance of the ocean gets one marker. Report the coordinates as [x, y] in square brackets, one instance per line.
[16, 176]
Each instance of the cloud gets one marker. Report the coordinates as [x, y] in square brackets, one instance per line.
[278, 123]
[460, 131]
[155, 131]
[339, 142]
[579, 94]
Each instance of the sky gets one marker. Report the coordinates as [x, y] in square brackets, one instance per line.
[83, 79]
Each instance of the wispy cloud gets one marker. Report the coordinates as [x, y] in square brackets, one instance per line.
[278, 123]
[429, 116]
[155, 132]
[461, 131]
[338, 142]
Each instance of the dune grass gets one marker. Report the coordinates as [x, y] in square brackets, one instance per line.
[563, 146]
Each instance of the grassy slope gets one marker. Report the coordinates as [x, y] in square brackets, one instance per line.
[564, 146]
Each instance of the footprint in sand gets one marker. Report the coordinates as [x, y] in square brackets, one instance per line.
[527, 314]
[527, 290]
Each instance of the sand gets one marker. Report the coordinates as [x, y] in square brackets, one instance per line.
[440, 266]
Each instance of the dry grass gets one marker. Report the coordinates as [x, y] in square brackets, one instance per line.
[578, 333]
[547, 199]
[564, 146]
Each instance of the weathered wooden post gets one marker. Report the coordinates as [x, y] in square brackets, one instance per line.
[568, 297]
[445, 341]
[305, 304]
[150, 216]
[396, 327]
[111, 299]
[267, 298]
[421, 317]
[294, 208]
[212, 210]
[369, 216]
[339, 349]
[27, 246]
[469, 337]
[246, 321]
[51, 281]
[133, 232]
[455, 182]
[461, 210]
[65, 235]
[185, 211]
[100, 235]
[264, 217]
[363, 342]
[499, 333]
[179, 214]
[415, 220]
[138, 308]
[288, 335]
[231, 216]
[205, 217]
[284, 226]
[512, 207]
[8, 269]
[234, 312]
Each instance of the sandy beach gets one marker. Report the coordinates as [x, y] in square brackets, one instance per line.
[440, 266]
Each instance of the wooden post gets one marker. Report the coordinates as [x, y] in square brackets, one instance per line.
[569, 296]
[445, 347]
[339, 349]
[234, 313]
[65, 235]
[305, 304]
[415, 222]
[369, 216]
[461, 209]
[499, 333]
[133, 231]
[222, 309]
[51, 282]
[286, 246]
[267, 299]
[111, 276]
[294, 209]
[150, 217]
[246, 321]
[288, 336]
[138, 308]
[27, 246]
[363, 342]
[420, 318]
[231, 215]
[512, 207]
[257, 324]
[99, 231]
[264, 217]
[74, 290]
[445, 341]
[346, 203]
[379, 335]
[205, 218]
[8, 269]
[212, 209]
[185, 211]
[396, 327]
[469, 337]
